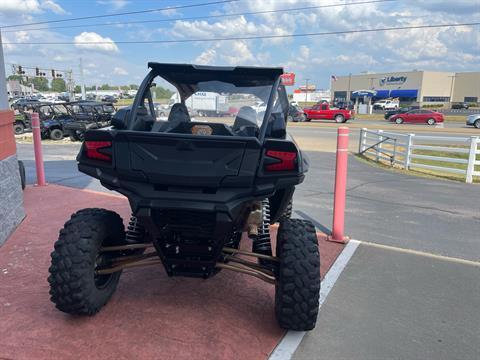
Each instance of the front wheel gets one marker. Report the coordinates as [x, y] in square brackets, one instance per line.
[431, 121]
[398, 121]
[75, 287]
[477, 124]
[339, 118]
[56, 134]
[18, 128]
[297, 290]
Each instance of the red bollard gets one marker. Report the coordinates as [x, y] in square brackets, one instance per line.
[37, 147]
[340, 187]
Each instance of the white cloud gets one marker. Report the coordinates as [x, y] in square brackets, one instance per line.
[53, 6]
[120, 71]
[94, 41]
[207, 57]
[114, 4]
[30, 6]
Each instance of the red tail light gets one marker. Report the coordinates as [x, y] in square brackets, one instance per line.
[287, 160]
[93, 148]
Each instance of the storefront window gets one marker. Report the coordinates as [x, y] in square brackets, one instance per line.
[436, 99]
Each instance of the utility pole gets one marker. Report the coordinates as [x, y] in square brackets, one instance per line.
[306, 91]
[348, 91]
[3, 80]
[371, 82]
[82, 80]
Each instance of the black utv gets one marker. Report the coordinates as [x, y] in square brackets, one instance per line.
[194, 188]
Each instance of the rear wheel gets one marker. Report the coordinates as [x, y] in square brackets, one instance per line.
[18, 128]
[75, 288]
[431, 121]
[339, 118]
[297, 289]
[56, 134]
[477, 124]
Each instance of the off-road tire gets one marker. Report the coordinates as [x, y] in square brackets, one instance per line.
[56, 134]
[477, 124]
[287, 214]
[297, 289]
[18, 128]
[74, 286]
[21, 170]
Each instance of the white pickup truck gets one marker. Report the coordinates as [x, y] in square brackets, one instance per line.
[386, 104]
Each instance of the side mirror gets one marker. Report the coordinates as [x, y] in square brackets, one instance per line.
[120, 119]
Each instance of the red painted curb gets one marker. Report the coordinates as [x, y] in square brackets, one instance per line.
[230, 316]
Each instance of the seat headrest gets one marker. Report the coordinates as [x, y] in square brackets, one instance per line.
[246, 116]
[179, 112]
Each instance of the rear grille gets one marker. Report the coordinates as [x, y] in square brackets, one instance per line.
[185, 223]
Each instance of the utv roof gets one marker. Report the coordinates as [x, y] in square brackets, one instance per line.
[186, 77]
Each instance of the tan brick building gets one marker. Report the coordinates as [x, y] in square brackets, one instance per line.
[422, 87]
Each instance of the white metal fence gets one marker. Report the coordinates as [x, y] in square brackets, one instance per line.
[412, 151]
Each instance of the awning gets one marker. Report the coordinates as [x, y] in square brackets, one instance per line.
[406, 93]
[382, 94]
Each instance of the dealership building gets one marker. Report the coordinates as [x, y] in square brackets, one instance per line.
[422, 87]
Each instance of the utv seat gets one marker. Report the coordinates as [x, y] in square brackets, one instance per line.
[245, 123]
[143, 121]
[178, 114]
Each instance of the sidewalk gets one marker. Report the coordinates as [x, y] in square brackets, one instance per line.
[151, 315]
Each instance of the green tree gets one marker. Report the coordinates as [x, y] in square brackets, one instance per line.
[58, 85]
[133, 87]
[18, 78]
[40, 83]
[159, 92]
[78, 89]
[105, 87]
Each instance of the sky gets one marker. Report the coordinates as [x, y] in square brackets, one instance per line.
[315, 58]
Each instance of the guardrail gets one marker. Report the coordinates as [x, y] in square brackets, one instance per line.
[412, 151]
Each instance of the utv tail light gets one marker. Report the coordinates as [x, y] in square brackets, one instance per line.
[287, 160]
[93, 148]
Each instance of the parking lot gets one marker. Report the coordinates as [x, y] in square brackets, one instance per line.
[426, 228]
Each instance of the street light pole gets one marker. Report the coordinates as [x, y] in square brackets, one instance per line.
[3, 80]
[82, 80]
[348, 91]
[306, 91]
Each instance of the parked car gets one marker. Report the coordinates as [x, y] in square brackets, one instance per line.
[390, 113]
[418, 116]
[109, 98]
[24, 104]
[460, 105]
[344, 105]
[322, 111]
[474, 120]
[296, 114]
[386, 104]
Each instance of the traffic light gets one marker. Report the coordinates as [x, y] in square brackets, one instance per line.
[20, 70]
[59, 75]
[37, 71]
[53, 73]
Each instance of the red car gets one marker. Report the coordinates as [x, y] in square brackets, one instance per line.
[418, 116]
[322, 111]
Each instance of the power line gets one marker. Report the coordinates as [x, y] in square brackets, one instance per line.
[255, 37]
[204, 17]
[218, 2]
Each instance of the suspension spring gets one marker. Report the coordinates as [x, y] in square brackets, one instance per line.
[135, 231]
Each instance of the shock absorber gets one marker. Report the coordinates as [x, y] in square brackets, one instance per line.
[261, 241]
[135, 231]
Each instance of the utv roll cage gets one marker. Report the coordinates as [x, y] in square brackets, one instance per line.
[188, 79]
